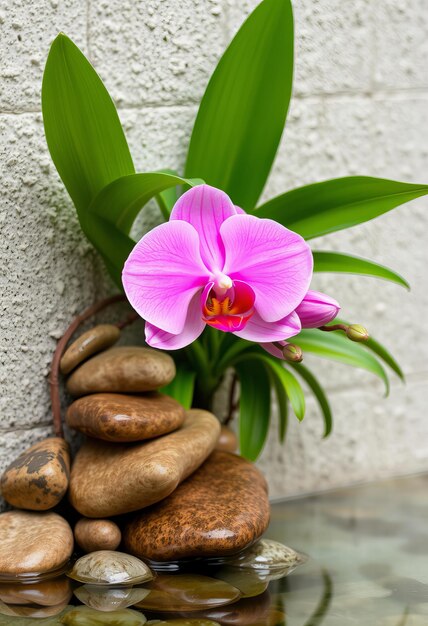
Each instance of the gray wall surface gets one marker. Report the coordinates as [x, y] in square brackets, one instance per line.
[360, 106]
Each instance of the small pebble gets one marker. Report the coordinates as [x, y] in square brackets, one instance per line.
[97, 534]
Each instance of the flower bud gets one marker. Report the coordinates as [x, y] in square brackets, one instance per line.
[356, 332]
[292, 353]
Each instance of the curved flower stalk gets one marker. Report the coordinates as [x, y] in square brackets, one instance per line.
[212, 264]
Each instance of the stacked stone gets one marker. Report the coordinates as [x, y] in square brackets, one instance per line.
[173, 472]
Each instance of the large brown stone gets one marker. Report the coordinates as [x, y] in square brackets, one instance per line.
[110, 479]
[94, 340]
[125, 369]
[124, 418]
[33, 543]
[218, 511]
[38, 478]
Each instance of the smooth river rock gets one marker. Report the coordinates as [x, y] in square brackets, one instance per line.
[110, 598]
[38, 478]
[108, 567]
[187, 592]
[125, 418]
[270, 559]
[44, 593]
[94, 340]
[220, 510]
[110, 479]
[33, 543]
[85, 616]
[97, 534]
[125, 369]
[228, 441]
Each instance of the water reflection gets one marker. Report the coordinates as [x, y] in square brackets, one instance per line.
[368, 567]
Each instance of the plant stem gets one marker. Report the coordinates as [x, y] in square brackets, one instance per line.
[328, 329]
[60, 349]
[232, 404]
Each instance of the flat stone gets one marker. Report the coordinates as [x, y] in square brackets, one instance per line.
[246, 612]
[85, 616]
[97, 534]
[125, 369]
[94, 340]
[220, 510]
[247, 581]
[33, 543]
[30, 612]
[108, 567]
[110, 479]
[182, 621]
[228, 441]
[270, 559]
[187, 592]
[38, 478]
[110, 599]
[124, 418]
[44, 593]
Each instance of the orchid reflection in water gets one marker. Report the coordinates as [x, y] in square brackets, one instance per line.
[212, 264]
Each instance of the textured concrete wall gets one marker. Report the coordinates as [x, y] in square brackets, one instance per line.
[360, 105]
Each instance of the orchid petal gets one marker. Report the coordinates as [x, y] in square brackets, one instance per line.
[257, 329]
[206, 208]
[193, 327]
[316, 309]
[163, 273]
[273, 260]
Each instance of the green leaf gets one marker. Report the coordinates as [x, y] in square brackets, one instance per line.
[380, 350]
[282, 399]
[291, 386]
[182, 387]
[83, 130]
[337, 262]
[113, 245]
[319, 393]
[340, 203]
[339, 348]
[243, 111]
[122, 200]
[254, 407]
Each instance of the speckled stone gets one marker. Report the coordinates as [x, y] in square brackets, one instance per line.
[187, 592]
[110, 479]
[33, 543]
[110, 599]
[94, 340]
[38, 478]
[44, 593]
[221, 509]
[124, 369]
[228, 441]
[108, 567]
[124, 418]
[97, 534]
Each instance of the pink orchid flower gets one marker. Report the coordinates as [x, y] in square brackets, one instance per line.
[212, 264]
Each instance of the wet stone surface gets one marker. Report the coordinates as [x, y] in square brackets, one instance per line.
[108, 567]
[111, 479]
[33, 543]
[89, 343]
[220, 510]
[125, 418]
[125, 369]
[228, 441]
[38, 478]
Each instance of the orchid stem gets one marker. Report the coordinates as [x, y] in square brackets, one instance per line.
[60, 349]
[232, 404]
[328, 329]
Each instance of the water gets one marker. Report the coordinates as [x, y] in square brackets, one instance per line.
[367, 566]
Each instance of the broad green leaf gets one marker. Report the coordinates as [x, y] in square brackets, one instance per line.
[254, 407]
[182, 387]
[113, 245]
[83, 131]
[242, 113]
[380, 350]
[291, 386]
[122, 200]
[282, 400]
[337, 262]
[319, 393]
[168, 197]
[340, 203]
[337, 347]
